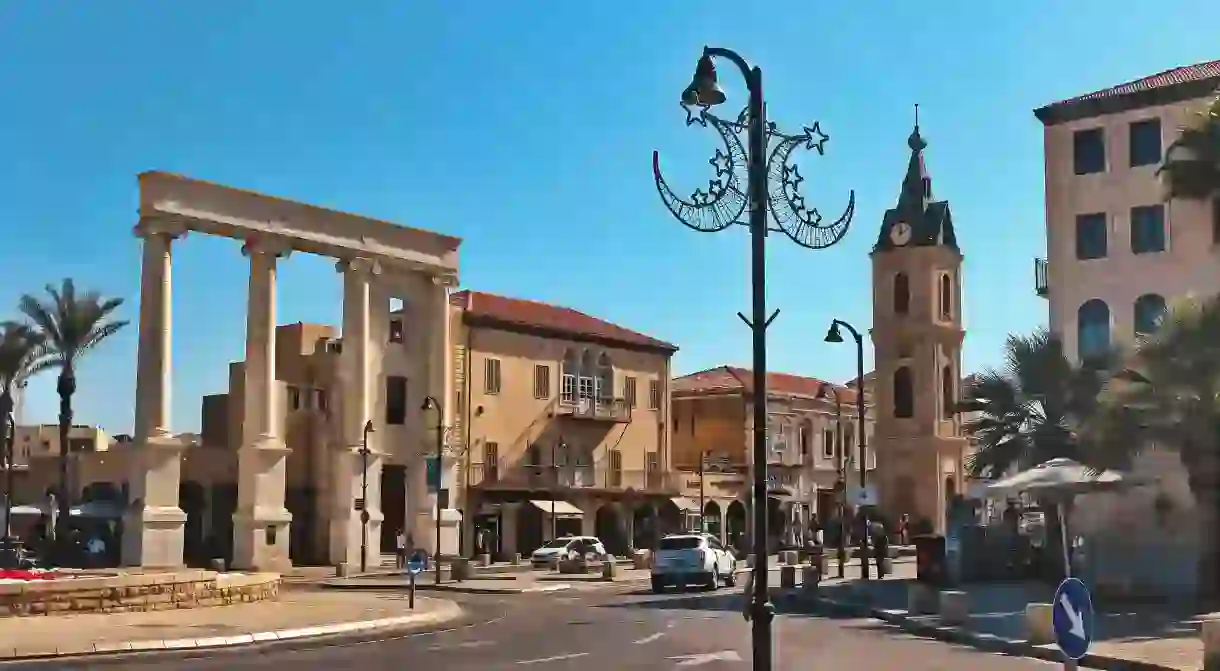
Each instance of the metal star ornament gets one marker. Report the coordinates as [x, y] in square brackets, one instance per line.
[815, 138]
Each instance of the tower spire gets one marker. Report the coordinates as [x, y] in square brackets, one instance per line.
[917, 184]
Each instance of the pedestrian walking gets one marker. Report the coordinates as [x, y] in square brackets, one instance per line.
[881, 547]
[400, 546]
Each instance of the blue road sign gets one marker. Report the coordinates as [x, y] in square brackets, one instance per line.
[1072, 616]
[416, 563]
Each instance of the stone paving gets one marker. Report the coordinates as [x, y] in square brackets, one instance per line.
[1153, 636]
[36, 636]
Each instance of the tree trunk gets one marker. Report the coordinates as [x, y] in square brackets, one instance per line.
[66, 387]
[6, 441]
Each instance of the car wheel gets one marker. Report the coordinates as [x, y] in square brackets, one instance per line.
[657, 585]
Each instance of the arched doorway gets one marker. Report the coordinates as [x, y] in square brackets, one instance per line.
[193, 500]
[735, 525]
[644, 523]
[671, 518]
[711, 519]
[608, 526]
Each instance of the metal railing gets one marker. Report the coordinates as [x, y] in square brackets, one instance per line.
[1041, 284]
[603, 409]
[546, 477]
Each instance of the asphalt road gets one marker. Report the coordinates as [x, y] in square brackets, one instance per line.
[605, 631]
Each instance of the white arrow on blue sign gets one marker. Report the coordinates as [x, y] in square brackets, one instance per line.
[1072, 616]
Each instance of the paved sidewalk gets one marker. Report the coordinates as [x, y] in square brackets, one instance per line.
[294, 615]
[1137, 637]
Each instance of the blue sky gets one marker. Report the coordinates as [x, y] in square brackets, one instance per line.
[527, 129]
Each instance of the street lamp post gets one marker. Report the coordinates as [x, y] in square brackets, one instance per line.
[364, 497]
[833, 335]
[840, 477]
[719, 206]
[430, 403]
[556, 447]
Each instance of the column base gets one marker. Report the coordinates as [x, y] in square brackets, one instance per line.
[260, 540]
[153, 537]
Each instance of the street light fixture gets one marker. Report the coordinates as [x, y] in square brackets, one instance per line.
[840, 477]
[719, 206]
[430, 403]
[834, 336]
[364, 497]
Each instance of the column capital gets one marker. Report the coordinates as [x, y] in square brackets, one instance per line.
[266, 245]
[150, 226]
[360, 265]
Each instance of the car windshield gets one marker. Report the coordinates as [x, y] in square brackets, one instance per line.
[557, 543]
[680, 543]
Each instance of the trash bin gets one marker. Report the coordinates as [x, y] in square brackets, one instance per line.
[930, 559]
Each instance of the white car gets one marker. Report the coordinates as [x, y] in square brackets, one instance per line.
[685, 559]
[568, 547]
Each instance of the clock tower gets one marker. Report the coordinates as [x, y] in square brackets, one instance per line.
[917, 341]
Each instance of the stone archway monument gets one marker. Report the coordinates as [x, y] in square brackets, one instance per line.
[370, 255]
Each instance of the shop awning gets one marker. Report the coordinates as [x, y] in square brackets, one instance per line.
[686, 505]
[563, 509]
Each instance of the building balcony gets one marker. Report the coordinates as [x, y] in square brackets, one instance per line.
[1041, 285]
[569, 478]
[615, 410]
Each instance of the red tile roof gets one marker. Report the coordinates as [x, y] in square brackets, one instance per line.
[731, 378]
[1179, 75]
[533, 314]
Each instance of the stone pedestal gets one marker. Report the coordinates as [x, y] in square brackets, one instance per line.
[153, 524]
[346, 529]
[954, 608]
[1039, 623]
[921, 599]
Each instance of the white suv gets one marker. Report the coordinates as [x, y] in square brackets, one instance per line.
[684, 559]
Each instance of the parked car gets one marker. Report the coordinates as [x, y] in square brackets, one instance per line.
[568, 547]
[685, 559]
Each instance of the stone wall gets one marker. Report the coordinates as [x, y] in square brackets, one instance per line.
[124, 593]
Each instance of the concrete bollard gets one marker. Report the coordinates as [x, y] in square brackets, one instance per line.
[459, 569]
[787, 576]
[641, 559]
[516, 559]
[1210, 634]
[217, 564]
[954, 608]
[1039, 623]
[343, 569]
[921, 599]
[484, 559]
[810, 577]
[609, 570]
[790, 557]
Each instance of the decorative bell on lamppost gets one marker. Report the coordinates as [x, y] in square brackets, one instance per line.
[703, 89]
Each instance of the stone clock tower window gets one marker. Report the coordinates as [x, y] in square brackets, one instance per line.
[904, 393]
[902, 294]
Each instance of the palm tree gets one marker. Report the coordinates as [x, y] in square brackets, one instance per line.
[1025, 412]
[71, 325]
[1169, 396]
[22, 355]
[1191, 168]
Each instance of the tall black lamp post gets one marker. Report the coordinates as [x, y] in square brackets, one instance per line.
[556, 448]
[702, 504]
[772, 184]
[430, 403]
[364, 497]
[833, 335]
[840, 475]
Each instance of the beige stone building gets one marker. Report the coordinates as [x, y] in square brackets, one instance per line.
[563, 420]
[917, 339]
[712, 419]
[1117, 252]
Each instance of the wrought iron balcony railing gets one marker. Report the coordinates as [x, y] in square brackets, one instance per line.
[596, 409]
[1041, 285]
[545, 477]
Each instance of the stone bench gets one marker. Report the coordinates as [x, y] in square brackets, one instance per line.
[954, 608]
[135, 592]
[922, 599]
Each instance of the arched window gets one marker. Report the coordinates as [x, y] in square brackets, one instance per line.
[904, 393]
[605, 378]
[1093, 329]
[1149, 311]
[946, 390]
[946, 297]
[804, 434]
[902, 294]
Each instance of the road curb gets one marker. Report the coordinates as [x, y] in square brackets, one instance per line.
[446, 612]
[981, 641]
[452, 588]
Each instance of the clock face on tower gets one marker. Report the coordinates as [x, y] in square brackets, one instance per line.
[900, 233]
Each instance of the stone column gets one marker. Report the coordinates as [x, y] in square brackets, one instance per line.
[153, 522]
[356, 408]
[261, 522]
[435, 314]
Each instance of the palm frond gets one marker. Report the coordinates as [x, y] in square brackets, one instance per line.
[72, 323]
[1191, 168]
